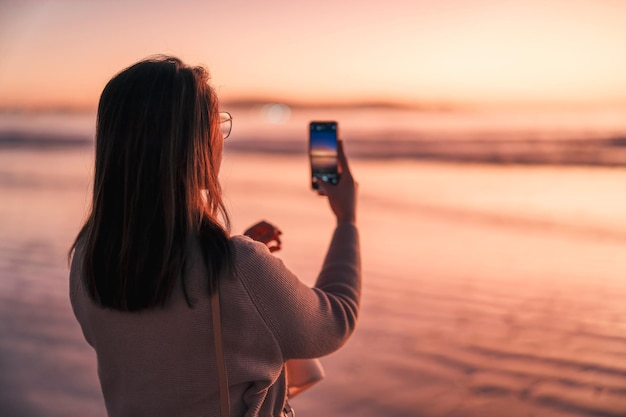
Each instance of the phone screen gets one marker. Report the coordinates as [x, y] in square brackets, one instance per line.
[323, 152]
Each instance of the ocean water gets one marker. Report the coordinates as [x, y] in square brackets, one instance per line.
[492, 286]
[556, 169]
[574, 137]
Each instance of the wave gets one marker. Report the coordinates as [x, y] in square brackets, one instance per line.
[587, 152]
[38, 141]
[594, 152]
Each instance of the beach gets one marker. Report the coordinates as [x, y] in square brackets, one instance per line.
[489, 289]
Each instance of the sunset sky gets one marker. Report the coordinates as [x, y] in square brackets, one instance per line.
[61, 53]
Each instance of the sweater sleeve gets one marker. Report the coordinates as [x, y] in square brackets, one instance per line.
[307, 322]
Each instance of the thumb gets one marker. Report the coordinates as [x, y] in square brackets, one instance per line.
[322, 187]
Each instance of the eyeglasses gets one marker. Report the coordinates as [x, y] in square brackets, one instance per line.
[226, 123]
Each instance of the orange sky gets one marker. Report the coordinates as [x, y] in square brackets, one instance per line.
[62, 52]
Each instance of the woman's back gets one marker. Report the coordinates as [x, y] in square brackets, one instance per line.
[162, 362]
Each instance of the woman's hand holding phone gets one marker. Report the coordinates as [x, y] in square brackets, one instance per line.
[342, 196]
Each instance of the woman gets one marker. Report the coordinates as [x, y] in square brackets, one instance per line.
[153, 246]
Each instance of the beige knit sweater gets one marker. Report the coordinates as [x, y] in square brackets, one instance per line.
[162, 362]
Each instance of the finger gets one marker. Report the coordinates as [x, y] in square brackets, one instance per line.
[274, 248]
[321, 188]
[272, 234]
[343, 161]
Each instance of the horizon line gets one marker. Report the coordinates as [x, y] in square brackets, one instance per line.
[374, 104]
[252, 102]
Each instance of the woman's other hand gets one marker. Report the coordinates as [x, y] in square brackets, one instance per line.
[267, 233]
[342, 197]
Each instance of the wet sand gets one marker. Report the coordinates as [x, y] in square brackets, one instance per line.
[476, 303]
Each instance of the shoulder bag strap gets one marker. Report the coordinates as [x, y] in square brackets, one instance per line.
[219, 352]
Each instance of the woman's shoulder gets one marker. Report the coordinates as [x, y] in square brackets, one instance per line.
[247, 250]
[244, 244]
[253, 256]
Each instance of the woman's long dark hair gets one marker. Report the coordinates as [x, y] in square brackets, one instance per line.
[156, 186]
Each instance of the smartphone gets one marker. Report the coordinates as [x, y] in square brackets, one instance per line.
[323, 152]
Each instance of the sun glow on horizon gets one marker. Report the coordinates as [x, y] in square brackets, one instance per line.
[437, 54]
